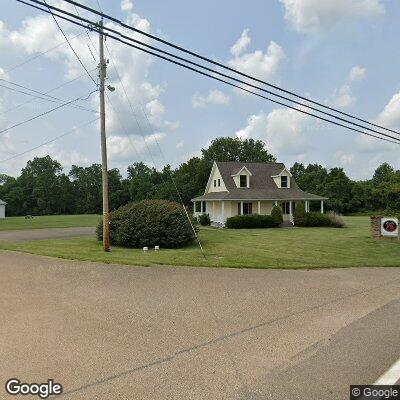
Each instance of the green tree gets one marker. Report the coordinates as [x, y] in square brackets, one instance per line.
[235, 149]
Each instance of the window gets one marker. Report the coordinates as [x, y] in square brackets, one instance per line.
[215, 183]
[198, 206]
[204, 206]
[284, 181]
[247, 208]
[285, 207]
[243, 181]
[219, 182]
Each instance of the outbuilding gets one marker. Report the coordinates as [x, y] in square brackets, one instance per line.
[2, 209]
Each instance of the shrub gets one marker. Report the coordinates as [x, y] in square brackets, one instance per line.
[317, 219]
[336, 219]
[250, 221]
[204, 219]
[149, 223]
[276, 215]
[300, 215]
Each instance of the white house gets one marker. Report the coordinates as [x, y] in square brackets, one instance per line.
[237, 188]
[2, 209]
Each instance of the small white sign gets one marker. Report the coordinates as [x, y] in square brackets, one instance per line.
[390, 227]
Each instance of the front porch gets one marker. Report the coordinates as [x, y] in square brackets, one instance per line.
[220, 210]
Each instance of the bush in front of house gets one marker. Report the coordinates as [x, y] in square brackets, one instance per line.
[276, 215]
[250, 221]
[336, 219]
[149, 223]
[204, 219]
[317, 219]
[300, 215]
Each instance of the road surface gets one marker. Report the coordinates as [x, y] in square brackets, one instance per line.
[123, 332]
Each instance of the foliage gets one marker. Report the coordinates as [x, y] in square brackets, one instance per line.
[235, 149]
[250, 221]
[276, 214]
[337, 220]
[149, 223]
[299, 215]
[43, 187]
[204, 219]
[316, 219]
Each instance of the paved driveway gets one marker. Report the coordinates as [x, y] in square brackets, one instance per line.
[122, 332]
[47, 233]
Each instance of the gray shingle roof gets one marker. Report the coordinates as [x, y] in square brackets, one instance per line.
[262, 185]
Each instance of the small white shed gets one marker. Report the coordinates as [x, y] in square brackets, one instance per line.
[2, 209]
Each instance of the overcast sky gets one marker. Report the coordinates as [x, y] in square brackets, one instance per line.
[343, 53]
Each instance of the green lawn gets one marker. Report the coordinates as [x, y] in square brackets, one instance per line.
[259, 248]
[49, 221]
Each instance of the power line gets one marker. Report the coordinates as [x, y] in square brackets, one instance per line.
[194, 54]
[42, 96]
[229, 83]
[40, 54]
[70, 45]
[49, 141]
[46, 93]
[45, 113]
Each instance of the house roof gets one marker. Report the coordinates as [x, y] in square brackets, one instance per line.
[262, 185]
[2, 202]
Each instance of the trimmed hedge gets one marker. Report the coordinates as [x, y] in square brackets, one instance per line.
[251, 221]
[204, 219]
[276, 215]
[310, 219]
[149, 223]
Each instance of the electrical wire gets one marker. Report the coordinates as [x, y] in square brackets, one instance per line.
[40, 54]
[231, 84]
[194, 54]
[49, 141]
[70, 45]
[3, 131]
[47, 97]
[46, 93]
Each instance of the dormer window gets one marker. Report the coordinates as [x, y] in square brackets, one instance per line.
[219, 182]
[243, 181]
[284, 181]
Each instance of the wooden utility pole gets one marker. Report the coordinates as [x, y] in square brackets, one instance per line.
[104, 172]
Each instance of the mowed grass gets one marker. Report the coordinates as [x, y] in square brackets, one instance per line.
[260, 248]
[49, 221]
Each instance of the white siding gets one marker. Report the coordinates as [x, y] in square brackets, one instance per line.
[2, 211]
[214, 177]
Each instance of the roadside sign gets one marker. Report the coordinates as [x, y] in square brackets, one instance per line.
[389, 227]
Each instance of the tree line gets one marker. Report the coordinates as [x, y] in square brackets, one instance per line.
[42, 188]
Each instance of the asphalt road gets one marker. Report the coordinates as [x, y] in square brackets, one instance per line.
[47, 233]
[122, 332]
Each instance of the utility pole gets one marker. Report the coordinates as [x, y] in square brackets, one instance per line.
[104, 172]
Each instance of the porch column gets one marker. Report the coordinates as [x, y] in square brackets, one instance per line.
[307, 206]
[322, 206]
[223, 212]
[259, 207]
[213, 211]
[290, 210]
[241, 208]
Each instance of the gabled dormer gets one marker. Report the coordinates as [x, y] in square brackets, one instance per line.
[242, 178]
[283, 179]
[215, 181]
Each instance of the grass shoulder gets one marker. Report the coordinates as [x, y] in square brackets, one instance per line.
[49, 221]
[253, 248]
